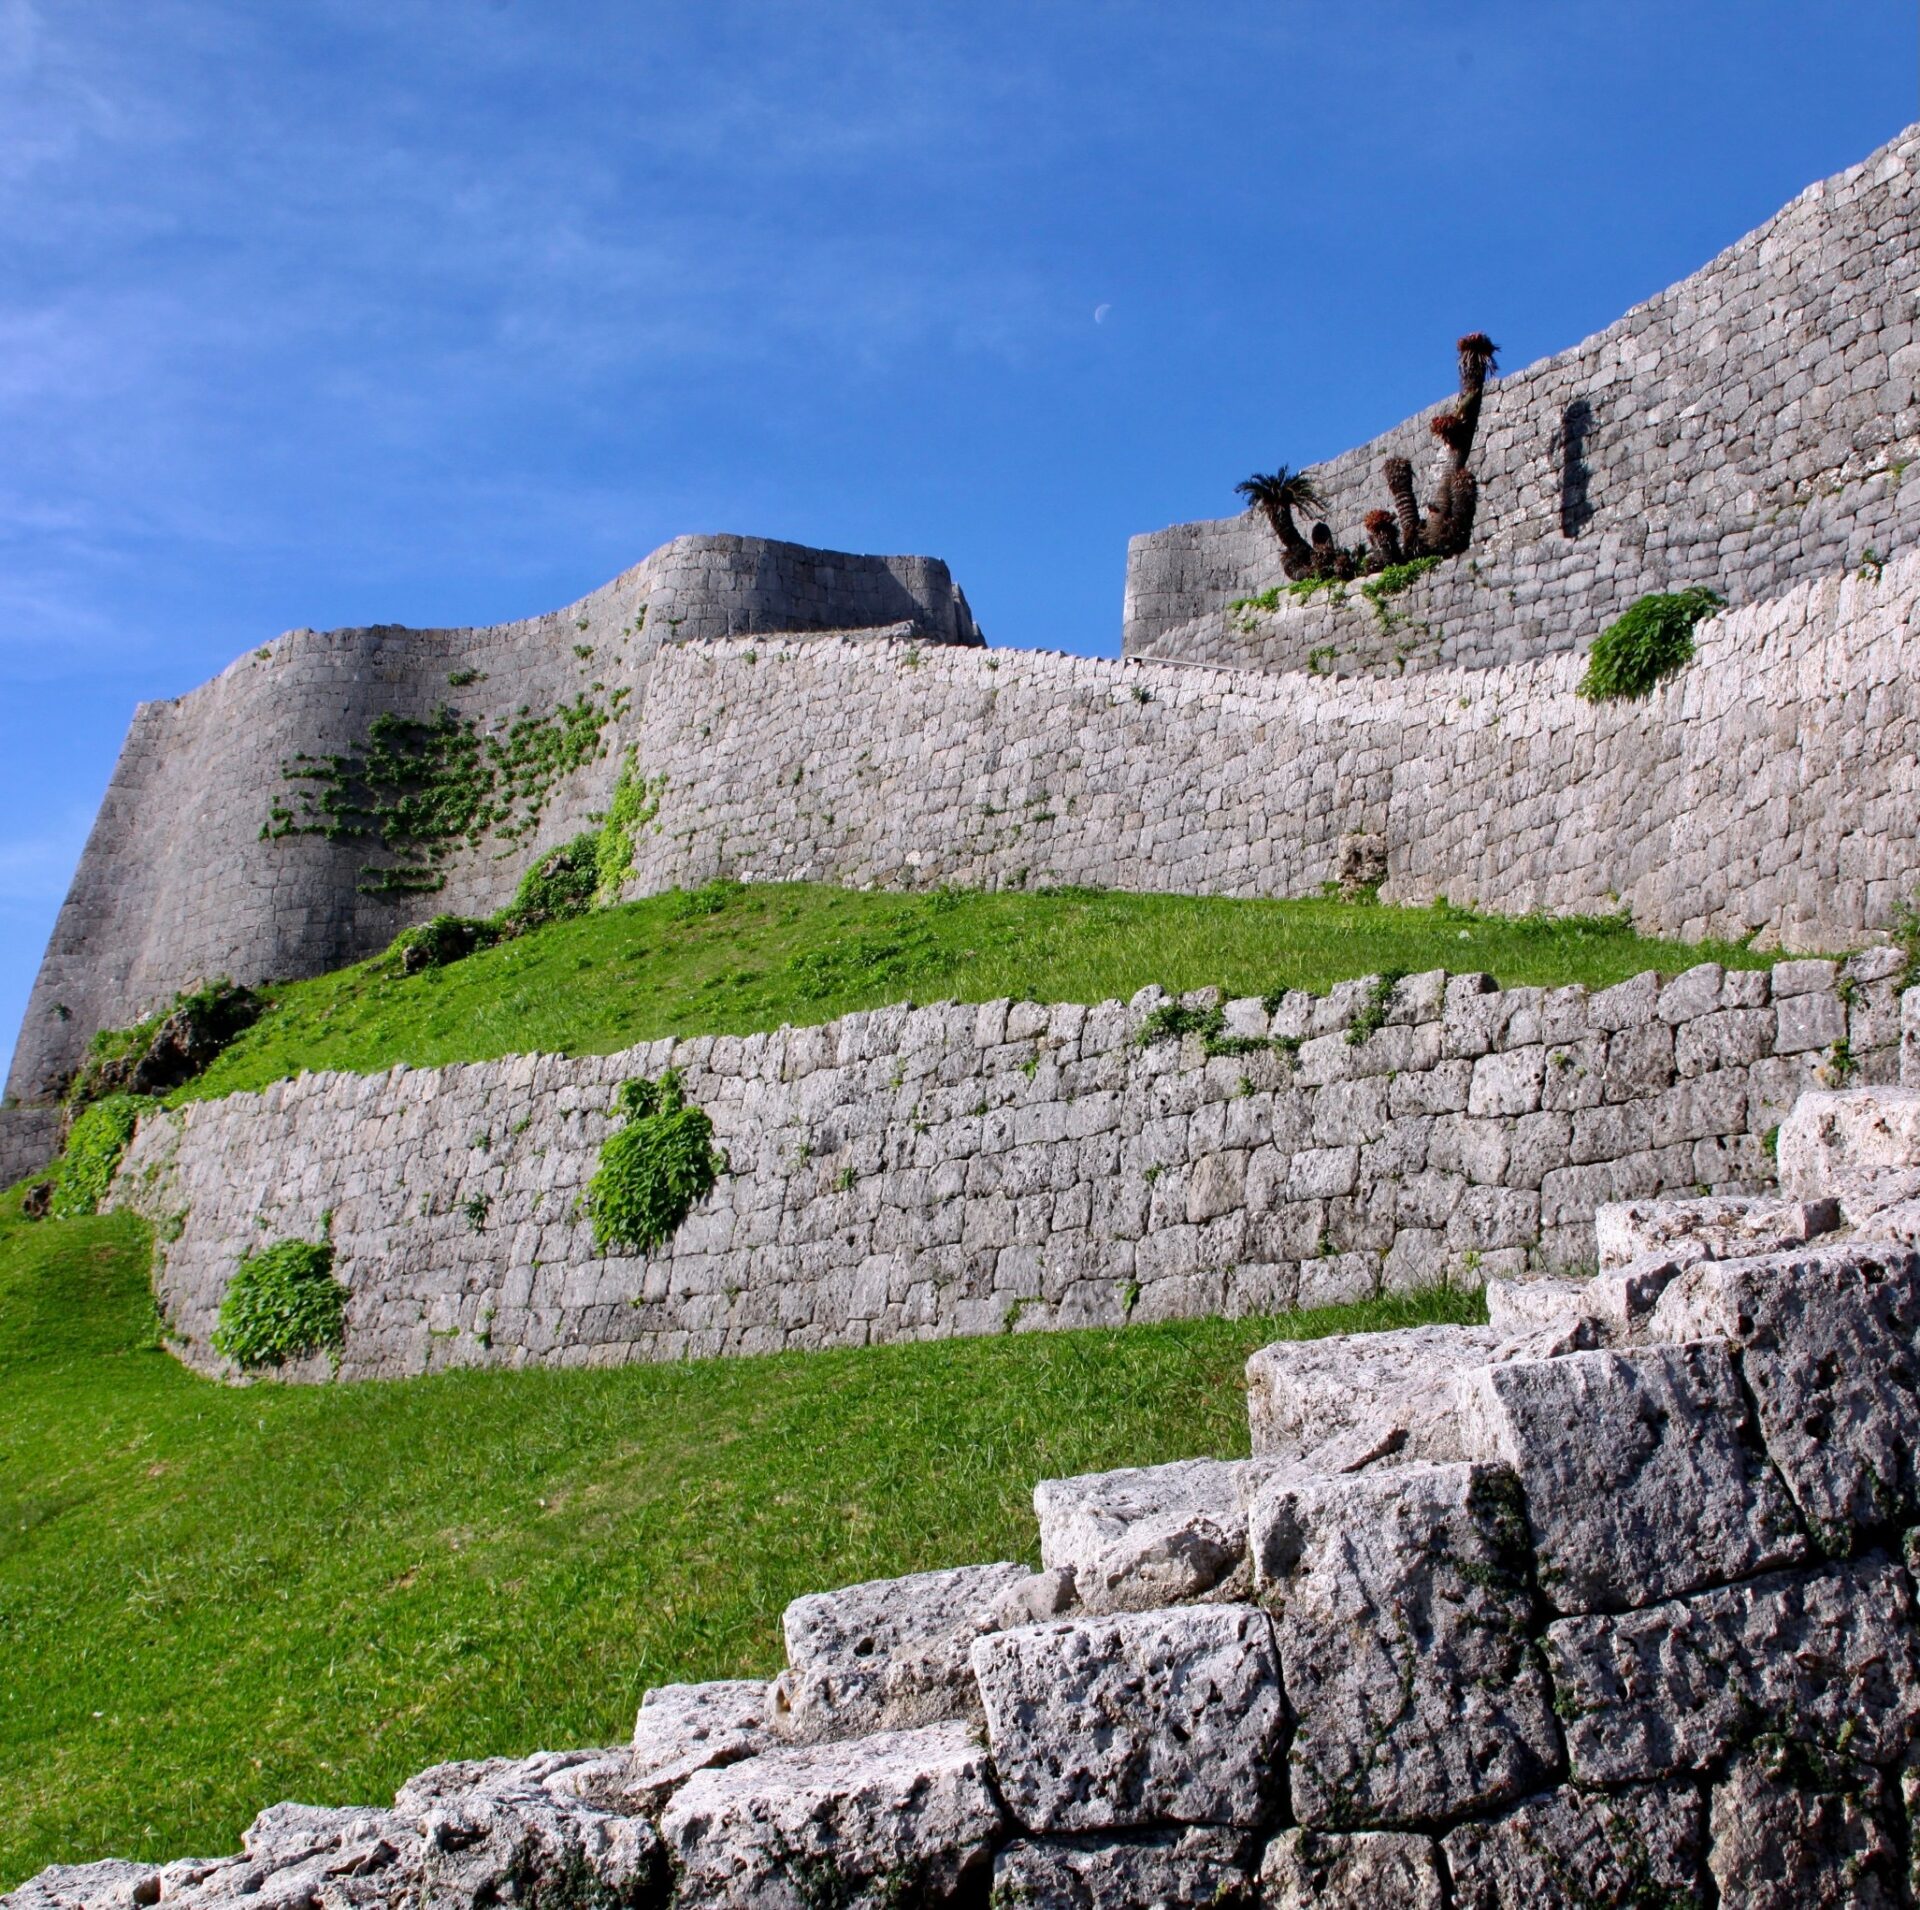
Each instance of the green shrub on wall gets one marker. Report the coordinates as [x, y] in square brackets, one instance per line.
[558, 887]
[1652, 640]
[95, 1143]
[636, 801]
[653, 1170]
[283, 1302]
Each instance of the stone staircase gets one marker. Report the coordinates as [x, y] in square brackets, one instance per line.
[1606, 1603]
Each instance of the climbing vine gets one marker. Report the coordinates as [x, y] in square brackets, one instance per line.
[420, 789]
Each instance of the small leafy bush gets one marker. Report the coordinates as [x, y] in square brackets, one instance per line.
[95, 1143]
[445, 939]
[559, 886]
[1174, 1020]
[1648, 643]
[169, 1049]
[653, 1170]
[283, 1302]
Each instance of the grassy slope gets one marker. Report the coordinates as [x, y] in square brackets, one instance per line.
[211, 1599]
[733, 960]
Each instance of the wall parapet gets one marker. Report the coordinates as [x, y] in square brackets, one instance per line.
[918, 1173]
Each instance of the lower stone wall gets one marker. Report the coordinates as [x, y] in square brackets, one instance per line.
[917, 1173]
[29, 1139]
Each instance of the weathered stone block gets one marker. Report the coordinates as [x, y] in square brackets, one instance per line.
[1830, 1136]
[1105, 1723]
[1797, 1833]
[1362, 1870]
[1578, 1850]
[1149, 1536]
[887, 1655]
[1402, 1602]
[873, 1821]
[1830, 1350]
[1724, 1227]
[1827, 1657]
[1169, 1867]
[1302, 1393]
[684, 1728]
[1641, 1475]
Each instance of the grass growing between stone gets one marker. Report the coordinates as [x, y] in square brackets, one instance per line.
[730, 959]
[211, 1599]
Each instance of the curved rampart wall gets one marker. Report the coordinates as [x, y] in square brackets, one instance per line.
[177, 884]
[1773, 787]
[923, 1173]
[1752, 426]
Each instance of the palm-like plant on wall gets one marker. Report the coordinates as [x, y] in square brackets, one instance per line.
[1405, 532]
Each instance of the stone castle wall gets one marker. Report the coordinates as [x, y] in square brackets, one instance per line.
[1752, 426]
[922, 1173]
[176, 884]
[1770, 787]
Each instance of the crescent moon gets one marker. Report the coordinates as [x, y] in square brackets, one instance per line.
[1100, 314]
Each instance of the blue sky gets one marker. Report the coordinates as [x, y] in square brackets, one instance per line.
[329, 312]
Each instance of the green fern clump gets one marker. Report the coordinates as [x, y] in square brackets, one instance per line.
[636, 801]
[95, 1143]
[283, 1302]
[653, 1170]
[1646, 645]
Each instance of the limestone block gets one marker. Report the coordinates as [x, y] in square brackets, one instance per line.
[1804, 1023]
[1362, 1870]
[1724, 1227]
[1796, 1834]
[1827, 1658]
[886, 1655]
[873, 1822]
[1149, 1536]
[1140, 1718]
[1576, 1850]
[1574, 1313]
[1402, 1601]
[1832, 1135]
[1303, 1393]
[1830, 1350]
[1641, 1475]
[109, 1884]
[498, 1825]
[1169, 1867]
[684, 1728]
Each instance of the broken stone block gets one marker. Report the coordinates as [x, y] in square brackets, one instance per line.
[518, 1826]
[1827, 1657]
[1830, 1350]
[1048, 1594]
[1723, 1227]
[1641, 1475]
[1797, 1832]
[1303, 1393]
[898, 1817]
[1567, 1313]
[1578, 1850]
[1141, 1717]
[1829, 1137]
[1402, 1602]
[685, 1728]
[1148, 1536]
[111, 1884]
[1363, 1870]
[887, 1655]
[1097, 1873]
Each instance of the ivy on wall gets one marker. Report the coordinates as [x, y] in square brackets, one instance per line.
[422, 789]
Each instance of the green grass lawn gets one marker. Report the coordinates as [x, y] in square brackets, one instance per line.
[211, 1599]
[731, 960]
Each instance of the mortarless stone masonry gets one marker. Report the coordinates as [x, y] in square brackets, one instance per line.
[176, 884]
[1388, 1713]
[915, 1173]
[1748, 428]
[1771, 788]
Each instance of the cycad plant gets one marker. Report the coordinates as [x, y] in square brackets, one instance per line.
[1443, 529]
